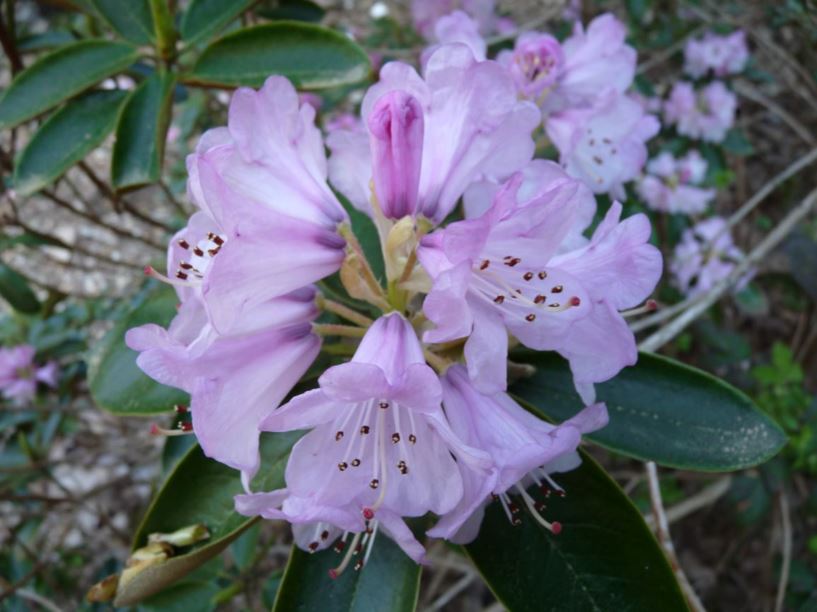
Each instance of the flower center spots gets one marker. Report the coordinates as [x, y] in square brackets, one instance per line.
[194, 261]
[520, 292]
[601, 150]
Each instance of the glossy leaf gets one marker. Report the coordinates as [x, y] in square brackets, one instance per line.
[389, 581]
[201, 490]
[663, 411]
[116, 382]
[141, 133]
[15, 290]
[205, 18]
[605, 557]
[131, 19]
[61, 75]
[310, 56]
[66, 138]
[44, 40]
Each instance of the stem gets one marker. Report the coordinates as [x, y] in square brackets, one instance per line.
[328, 329]
[165, 34]
[344, 312]
[7, 40]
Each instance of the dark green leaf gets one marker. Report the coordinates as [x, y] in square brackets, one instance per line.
[46, 40]
[61, 75]
[663, 411]
[389, 581]
[15, 290]
[310, 56]
[66, 138]
[366, 233]
[802, 253]
[605, 558]
[201, 490]
[298, 10]
[131, 19]
[205, 18]
[737, 143]
[116, 382]
[141, 133]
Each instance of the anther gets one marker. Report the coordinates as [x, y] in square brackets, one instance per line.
[181, 275]
[499, 299]
[384, 405]
[412, 438]
[185, 266]
[575, 301]
[183, 429]
[324, 534]
[512, 261]
[184, 244]
[313, 546]
[342, 466]
[485, 263]
[395, 437]
[339, 436]
[355, 462]
[368, 514]
[402, 467]
[598, 160]
[557, 289]
[539, 299]
[542, 275]
[530, 318]
[198, 251]
[180, 409]
[358, 564]
[528, 276]
[364, 430]
[374, 483]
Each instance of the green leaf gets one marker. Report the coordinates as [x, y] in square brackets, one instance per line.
[141, 133]
[45, 40]
[312, 57]
[298, 10]
[205, 18]
[15, 290]
[365, 231]
[131, 19]
[605, 557]
[116, 382]
[736, 143]
[201, 490]
[389, 581]
[66, 138]
[61, 75]
[663, 411]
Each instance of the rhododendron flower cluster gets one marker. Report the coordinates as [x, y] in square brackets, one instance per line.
[670, 184]
[723, 55]
[706, 114]
[419, 419]
[705, 256]
[19, 374]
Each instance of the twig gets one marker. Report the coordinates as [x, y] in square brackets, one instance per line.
[10, 49]
[775, 237]
[452, 592]
[702, 499]
[662, 530]
[786, 565]
[38, 599]
[745, 89]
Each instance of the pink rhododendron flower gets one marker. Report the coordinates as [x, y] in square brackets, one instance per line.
[430, 137]
[379, 446]
[723, 55]
[572, 74]
[707, 114]
[502, 270]
[19, 374]
[523, 448]
[705, 256]
[457, 28]
[604, 145]
[273, 218]
[669, 185]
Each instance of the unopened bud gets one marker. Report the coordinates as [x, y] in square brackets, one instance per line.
[104, 590]
[187, 536]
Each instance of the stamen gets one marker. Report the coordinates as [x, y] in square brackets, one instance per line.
[485, 263]
[542, 275]
[412, 438]
[555, 527]
[557, 289]
[337, 571]
[395, 438]
[184, 244]
[355, 462]
[649, 306]
[528, 276]
[530, 318]
[499, 299]
[364, 430]
[539, 299]
[180, 409]
[338, 436]
[384, 405]
[183, 429]
[342, 466]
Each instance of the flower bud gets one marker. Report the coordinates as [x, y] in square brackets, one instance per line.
[396, 139]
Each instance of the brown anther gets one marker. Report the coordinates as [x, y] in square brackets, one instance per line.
[530, 318]
[554, 305]
[339, 436]
[485, 263]
[198, 251]
[324, 535]
[213, 252]
[374, 483]
[383, 405]
[313, 546]
[557, 289]
[342, 466]
[539, 299]
[528, 276]
[542, 275]
[412, 438]
[358, 565]
[185, 266]
[395, 437]
[355, 462]
[364, 430]
[339, 546]
[512, 261]
[181, 275]
[499, 299]
[598, 160]
[184, 244]
[402, 467]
